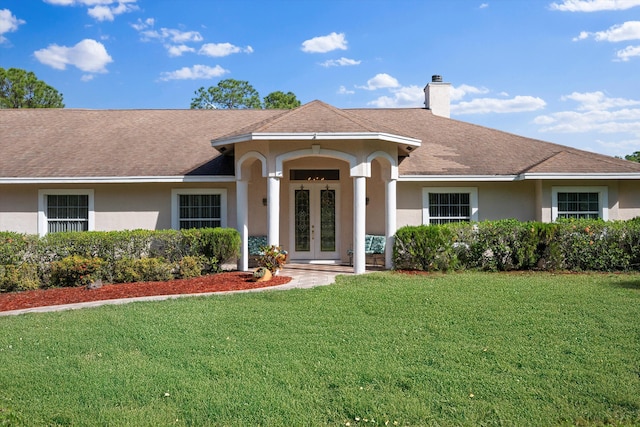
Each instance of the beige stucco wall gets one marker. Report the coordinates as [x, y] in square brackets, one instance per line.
[116, 206]
[496, 200]
[626, 192]
[629, 202]
[19, 208]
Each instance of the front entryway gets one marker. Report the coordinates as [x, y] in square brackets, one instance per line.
[314, 227]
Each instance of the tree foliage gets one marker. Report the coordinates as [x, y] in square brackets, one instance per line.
[239, 94]
[228, 94]
[281, 100]
[22, 89]
[635, 157]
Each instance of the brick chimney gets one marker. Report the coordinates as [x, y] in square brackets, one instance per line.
[437, 97]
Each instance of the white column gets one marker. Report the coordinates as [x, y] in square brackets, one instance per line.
[359, 223]
[273, 210]
[242, 209]
[390, 225]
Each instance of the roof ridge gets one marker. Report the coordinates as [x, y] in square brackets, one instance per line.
[541, 162]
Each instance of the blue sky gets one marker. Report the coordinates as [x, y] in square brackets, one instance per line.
[565, 71]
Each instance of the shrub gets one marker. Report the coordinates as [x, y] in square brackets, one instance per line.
[216, 244]
[129, 270]
[20, 277]
[594, 245]
[191, 266]
[425, 247]
[577, 245]
[75, 270]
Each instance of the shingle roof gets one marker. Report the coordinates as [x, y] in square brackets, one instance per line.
[111, 143]
[316, 116]
[452, 147]
[114, 143]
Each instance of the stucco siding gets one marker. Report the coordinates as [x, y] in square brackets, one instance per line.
[501, 200]
[19, 209]
[116, 206]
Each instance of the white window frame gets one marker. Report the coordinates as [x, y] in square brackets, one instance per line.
[43, 221]
[603, 198]
[473, 200]
[175, 203]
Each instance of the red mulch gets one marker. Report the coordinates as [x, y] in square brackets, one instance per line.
[234, 281]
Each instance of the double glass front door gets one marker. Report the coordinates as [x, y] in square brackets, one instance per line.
[314, 226]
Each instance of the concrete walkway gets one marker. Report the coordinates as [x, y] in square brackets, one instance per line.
[303, 276]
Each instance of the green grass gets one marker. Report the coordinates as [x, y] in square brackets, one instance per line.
[460, 349]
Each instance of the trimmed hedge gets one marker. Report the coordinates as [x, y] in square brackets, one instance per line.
[64, 259]
[575, 245]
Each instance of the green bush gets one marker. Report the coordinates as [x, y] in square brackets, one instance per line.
[128, 270]
[15, 246]
[76, 270]
[21, 277]
[576, 245]
[191, 266]
[425, 248]
[595, 245]
[117, 252]
[217, 244]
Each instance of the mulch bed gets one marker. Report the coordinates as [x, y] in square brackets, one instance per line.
[234, 281]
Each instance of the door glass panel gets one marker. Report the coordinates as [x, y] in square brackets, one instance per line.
[302, 218]
[327, 220]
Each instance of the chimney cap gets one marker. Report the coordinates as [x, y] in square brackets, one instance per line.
[436, 78]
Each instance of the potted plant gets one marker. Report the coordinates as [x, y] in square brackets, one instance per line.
[271, 258]
[262, 274]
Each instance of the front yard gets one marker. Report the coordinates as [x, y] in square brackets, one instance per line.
[380, 349]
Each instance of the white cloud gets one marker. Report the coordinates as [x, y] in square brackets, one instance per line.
[222, 49]
[323, 44]
[178, 50]
[88, 55]
[594, 5]
[173, 39]
[484, 5]
[630, 30]
[8, 23]
[517, 104]
[142, 25]
[342, 62]
[590, 101]
[176, 36]
[624, 146]
[101, 10]
[595, 113]
[344, 91]
[628, 52]
[87, 77]
[380, 81]
[404, 96]
[459, 92]
[194, 73]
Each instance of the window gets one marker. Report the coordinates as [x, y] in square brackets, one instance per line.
[65, 210]
[446, 205]
[579, 202]
[199, 208]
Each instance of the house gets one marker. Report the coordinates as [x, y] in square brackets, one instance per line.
[315, 180]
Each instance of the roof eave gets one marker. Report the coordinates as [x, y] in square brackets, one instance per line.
[457, 178]
[118, 179]
[567, 175]
[315, 136]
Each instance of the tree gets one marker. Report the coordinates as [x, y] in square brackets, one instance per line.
[22, 89]
[281, 100]
[228, 94]
[635, 157]
[239, 94]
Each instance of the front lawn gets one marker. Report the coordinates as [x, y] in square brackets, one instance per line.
[458, 349]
